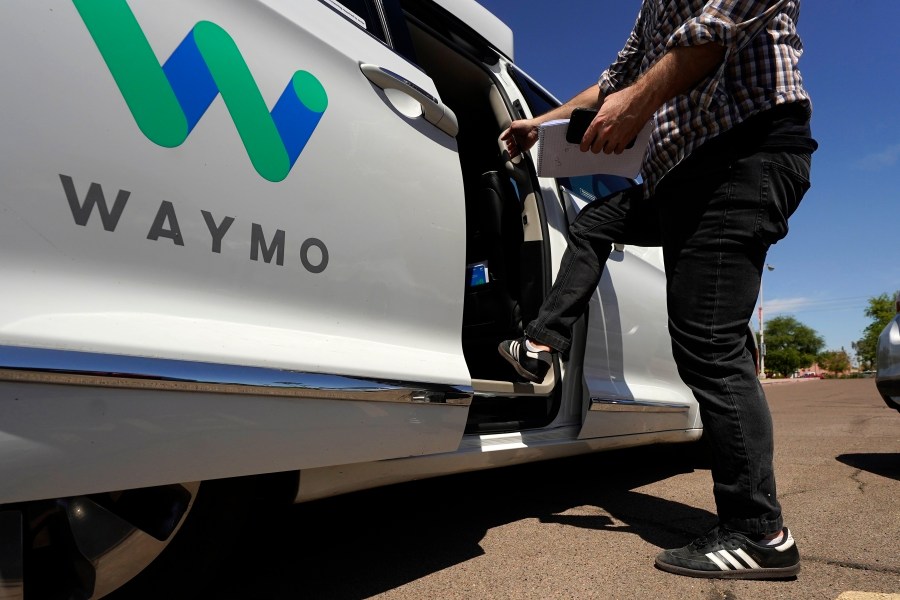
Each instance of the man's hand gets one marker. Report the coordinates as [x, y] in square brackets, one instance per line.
[619, 120]
[520, 136]
[623, 113]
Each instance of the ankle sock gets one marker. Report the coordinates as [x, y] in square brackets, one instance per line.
[530, 347]
[774, 541]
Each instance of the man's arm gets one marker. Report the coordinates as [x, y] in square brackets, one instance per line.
[523, 133]
[623, 113]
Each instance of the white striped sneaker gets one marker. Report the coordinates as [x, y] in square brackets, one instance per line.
[727, 554]
[530, 365]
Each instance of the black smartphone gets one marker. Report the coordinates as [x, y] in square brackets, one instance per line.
[578, 123]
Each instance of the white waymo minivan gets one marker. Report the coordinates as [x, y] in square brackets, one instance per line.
[279, 241]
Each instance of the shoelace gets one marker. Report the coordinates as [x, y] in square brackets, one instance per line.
[710, 538]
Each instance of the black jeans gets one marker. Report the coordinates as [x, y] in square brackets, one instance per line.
[715, 215]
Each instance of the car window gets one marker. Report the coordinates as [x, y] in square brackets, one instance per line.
[594, 187]
[363, 13]
[538, 99]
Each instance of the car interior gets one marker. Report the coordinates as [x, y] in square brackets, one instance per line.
[506, 271]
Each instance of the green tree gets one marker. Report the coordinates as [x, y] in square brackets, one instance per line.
[790, 345]
[880, 311]
[836, 361]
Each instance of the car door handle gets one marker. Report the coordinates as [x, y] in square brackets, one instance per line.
[435, 112]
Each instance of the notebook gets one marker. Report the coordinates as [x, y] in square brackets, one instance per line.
[558, 158]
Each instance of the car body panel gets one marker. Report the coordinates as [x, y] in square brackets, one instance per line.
[372, 311]
[191, 302]
[63, 440]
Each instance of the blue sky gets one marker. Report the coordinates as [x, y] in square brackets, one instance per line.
[844, 242]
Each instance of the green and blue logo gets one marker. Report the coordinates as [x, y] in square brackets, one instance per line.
[167, 101]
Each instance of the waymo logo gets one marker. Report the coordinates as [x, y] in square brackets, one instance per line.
[168, 101]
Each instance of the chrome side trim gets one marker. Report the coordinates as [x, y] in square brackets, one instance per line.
[70, 367]
[620, 405]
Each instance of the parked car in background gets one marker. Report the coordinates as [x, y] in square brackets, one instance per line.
[887, 372]
[277, 243]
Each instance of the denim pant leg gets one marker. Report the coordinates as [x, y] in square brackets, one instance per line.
[719, 219]
[620, 217]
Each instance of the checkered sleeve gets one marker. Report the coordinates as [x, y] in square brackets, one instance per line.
[731, 23]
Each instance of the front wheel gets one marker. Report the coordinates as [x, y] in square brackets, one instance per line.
[85, 547]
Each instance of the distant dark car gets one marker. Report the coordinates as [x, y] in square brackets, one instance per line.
[887, 374]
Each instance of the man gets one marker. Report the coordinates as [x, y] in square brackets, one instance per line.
[728, 163]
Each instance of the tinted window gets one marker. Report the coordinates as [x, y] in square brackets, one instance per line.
[538, 99]
[594, 187]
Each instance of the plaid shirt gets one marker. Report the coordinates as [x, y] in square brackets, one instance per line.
[759, 71]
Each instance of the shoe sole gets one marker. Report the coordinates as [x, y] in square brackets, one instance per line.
[519, 368]
[772, 573]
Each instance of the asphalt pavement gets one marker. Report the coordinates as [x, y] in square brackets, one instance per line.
[590, 527]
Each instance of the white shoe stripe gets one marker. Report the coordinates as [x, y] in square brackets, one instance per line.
[514, 349]
[787, 544]
[727, 556]
[712, 556]
[746, 558]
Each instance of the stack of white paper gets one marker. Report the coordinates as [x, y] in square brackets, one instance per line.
[558, 158]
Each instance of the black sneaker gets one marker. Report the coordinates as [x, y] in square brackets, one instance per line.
[726, 554]
[533, 366]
